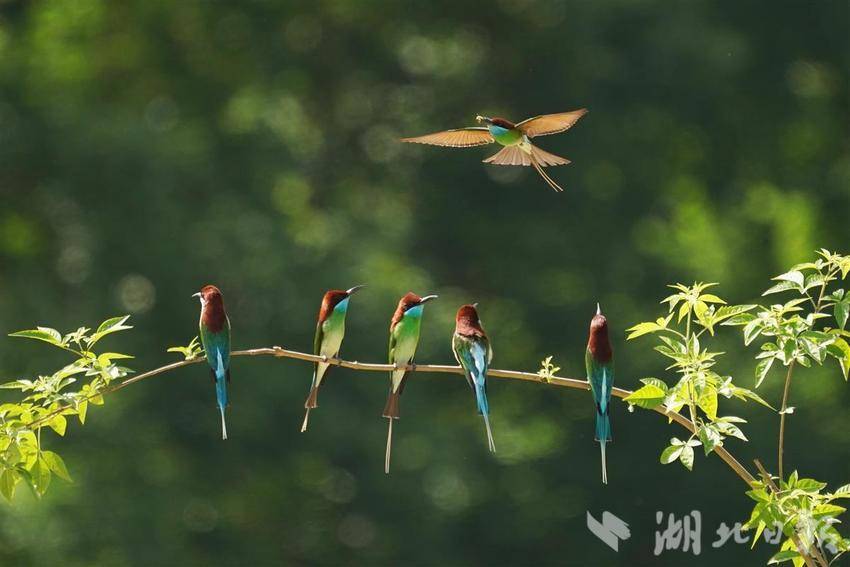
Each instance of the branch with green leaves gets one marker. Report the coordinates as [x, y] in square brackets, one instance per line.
[803, 331]
[694, 316]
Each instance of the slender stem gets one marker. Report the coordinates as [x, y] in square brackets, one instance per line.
[277, 351]
[782, 414]
[787, 389]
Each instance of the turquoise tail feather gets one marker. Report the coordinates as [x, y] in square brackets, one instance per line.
[484, 409]
[221, 375]
[603, 435]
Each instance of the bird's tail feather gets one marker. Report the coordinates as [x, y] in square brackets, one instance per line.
[604, 464]
[543, 174]
[603, 426]
[391, 408]
[306, 419]
[389, 447]
[490, 442]
[603, 435]
[481, 399]
[223, 424]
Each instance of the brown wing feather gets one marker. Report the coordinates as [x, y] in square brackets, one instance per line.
[513, 155]
[509, 155]
[458, 138]
[550, 123]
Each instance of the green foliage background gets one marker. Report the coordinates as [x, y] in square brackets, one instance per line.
[149, 147]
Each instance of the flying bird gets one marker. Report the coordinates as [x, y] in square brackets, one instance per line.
[473, 352]
[215, 337]
[330, 329]
[599, 361]
[404, 338]
[516, 139]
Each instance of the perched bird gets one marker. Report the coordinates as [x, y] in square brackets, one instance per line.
[215, 336]
[330, 329]
[404, 337]
[599, 361]
[473, 352]
[518, 148]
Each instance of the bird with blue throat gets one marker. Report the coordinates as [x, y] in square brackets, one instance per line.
[215, 338]
[404, 338]
[330, 330]
[473, 352]
[599, 361]
[516, 139]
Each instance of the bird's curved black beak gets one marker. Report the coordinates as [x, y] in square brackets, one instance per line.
[355, 289]
[196, 294]
[475, 305]
[428, 298]
[481, 119]
[598, 309]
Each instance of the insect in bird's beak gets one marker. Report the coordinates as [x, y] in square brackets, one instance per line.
[355, 289]
[480, 118]
[598, 309]
[428, 298]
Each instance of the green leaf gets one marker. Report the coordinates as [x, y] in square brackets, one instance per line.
[57, 465]
[711, 298]
[783, 556]
[841, 350]
[82, 408]
[40, 473]
[841, 312]
[58, 424]
[648, 397]
[687, 457]
[644, 328]
[827, 510]
[780, 287]
[842, 492]
[671, 454]
[708, 402]
[710, 438]
[8, 480]
[810, 485]
[793, 276]
[762, 369]
[109, 326]
[40, 334]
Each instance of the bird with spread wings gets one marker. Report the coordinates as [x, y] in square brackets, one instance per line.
[516, 139]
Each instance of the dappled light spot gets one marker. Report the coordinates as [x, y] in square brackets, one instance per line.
[136, 293]
[447, 490]
[200, 516]
[356, 531]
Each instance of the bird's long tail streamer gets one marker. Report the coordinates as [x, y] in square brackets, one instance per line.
[223, 424]
[604, 464]
[543, 174]
[389, 447]
[306, 418]
[490, 442]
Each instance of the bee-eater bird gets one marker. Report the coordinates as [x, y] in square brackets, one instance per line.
[215, 337]
[404, 338]
[516, 139]
[473, 352]
[330, 329]
[599, 361]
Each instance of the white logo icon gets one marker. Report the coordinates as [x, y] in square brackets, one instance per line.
[610, 531]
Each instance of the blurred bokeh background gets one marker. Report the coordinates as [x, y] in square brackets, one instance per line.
[150, 147]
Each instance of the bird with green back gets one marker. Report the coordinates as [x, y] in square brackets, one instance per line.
[473, 352]
[516, 139]
[330, 329]
[404, 338]
[599, 362]
[215, 338]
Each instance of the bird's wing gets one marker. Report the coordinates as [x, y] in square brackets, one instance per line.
[550, 123]
[461, 346]
[458, 138]
[317, 345]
